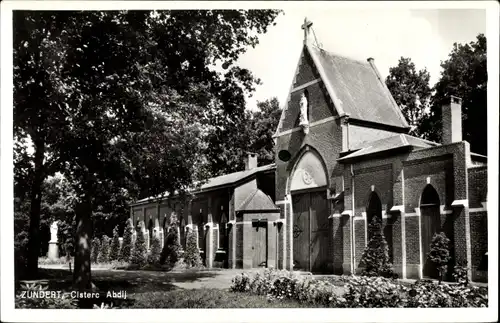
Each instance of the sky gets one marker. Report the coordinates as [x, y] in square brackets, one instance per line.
[424, 35]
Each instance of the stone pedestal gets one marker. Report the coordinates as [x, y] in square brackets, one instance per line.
[53, 252]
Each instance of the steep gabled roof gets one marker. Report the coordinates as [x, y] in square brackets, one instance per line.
[389, 143]
[355, 88]
[257, 201]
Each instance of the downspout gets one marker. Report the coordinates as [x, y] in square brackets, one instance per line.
[352, 222]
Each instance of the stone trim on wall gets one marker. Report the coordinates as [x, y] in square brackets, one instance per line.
[312, 124]
[303, 86]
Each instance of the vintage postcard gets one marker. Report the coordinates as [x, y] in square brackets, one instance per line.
[324, 161]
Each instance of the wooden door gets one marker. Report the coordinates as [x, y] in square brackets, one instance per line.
[319, 245]
[431, 224]
[310, 231]
[301, 231]
[259, 244]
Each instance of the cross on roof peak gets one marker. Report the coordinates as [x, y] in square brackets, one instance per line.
[306, 26]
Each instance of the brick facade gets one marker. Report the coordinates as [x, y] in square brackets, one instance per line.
[397, 175]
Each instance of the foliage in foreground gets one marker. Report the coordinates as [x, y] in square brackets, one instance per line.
[360, 291]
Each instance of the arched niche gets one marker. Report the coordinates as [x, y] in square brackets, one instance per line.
[308, 173]
[373, 210]
[430, 225]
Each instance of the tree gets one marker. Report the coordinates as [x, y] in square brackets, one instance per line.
[411, 91]
[262, 128]
[114, 251]
[104, 118]
[126, 249]
[192, 253]
[464, 75]
[375, 258]
[252, 131]
[440, 253]
[139, 253]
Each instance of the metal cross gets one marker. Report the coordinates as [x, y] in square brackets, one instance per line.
[306, 26]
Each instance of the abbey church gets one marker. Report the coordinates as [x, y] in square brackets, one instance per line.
[342, 157]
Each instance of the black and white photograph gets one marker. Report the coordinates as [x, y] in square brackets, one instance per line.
[271, 161]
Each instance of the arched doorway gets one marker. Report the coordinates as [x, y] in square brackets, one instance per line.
[430, 224]
[150, 229]
[374, 210]
[310, 232]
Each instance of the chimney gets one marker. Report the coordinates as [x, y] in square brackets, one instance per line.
[452, 121]
[251, 161]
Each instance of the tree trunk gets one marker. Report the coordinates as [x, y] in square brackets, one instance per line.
[81, 271]
[35, 207]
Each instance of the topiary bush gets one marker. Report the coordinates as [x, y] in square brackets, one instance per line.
[126, 249]
[95, 248]
[440, 253]
[114, 249]
[375, 259]
[192, 253]
[103, 255]
[154, 252]
[171, 247]
[139, 253]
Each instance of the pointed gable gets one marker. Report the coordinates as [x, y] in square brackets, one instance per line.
[354, 88]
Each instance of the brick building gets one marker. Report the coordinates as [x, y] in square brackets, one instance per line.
[343, 156]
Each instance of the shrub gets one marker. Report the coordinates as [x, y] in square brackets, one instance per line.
[103, 255]
[126, 249]
[114, 249]
[240, 283]
[373, 292]
[192, 253]
[94, 252]
[375, 258]
[171, 247]
[139, 253]
[283, 285]
[155, 251]
[460, 274]
[440, 253]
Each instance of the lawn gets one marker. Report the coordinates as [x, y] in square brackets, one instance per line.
[208, 298]
[149, 289]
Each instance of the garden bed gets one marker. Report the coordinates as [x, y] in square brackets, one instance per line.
[357, 291]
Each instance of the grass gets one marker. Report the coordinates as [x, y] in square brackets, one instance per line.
[208, 298]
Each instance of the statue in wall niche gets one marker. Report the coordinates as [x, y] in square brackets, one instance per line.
[303, 118]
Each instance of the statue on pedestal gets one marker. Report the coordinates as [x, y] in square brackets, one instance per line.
[53, 232]
[53, 252]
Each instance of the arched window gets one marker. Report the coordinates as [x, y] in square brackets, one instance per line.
[150, 228]
[222, 230]
[373, 210]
